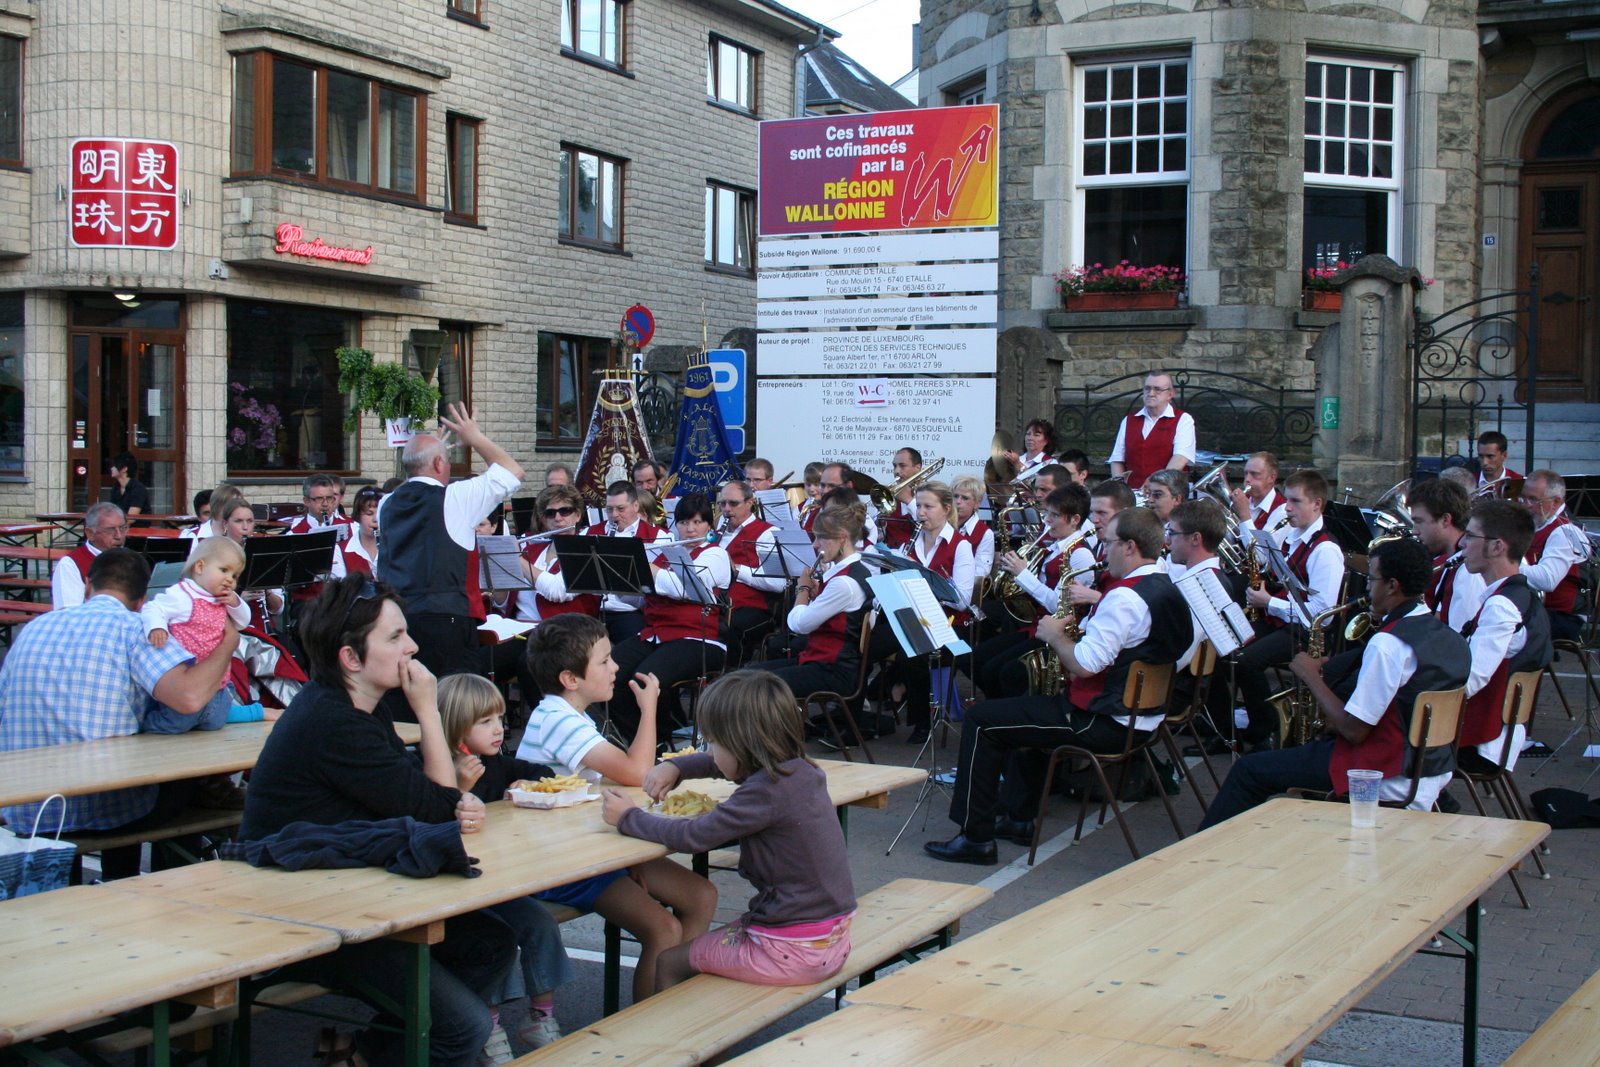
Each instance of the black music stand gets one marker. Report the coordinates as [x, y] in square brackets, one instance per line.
[1348, 526]
[159, 550]
[943, 591]
[604, 565]
[286, 561]
[522, 509]
[787, 558]
[500, 564]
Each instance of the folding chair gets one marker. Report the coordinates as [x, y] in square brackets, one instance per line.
[824, 700]
[1522, 689]
[1202, 668]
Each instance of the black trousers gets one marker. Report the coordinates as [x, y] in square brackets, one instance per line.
[446, 644]
[671, 662]
[1563, 627]
[807, 678]
[998, 664]
[995, 730]
[1253, 685]
[1261, 776]
[747, 629]
[621, 625]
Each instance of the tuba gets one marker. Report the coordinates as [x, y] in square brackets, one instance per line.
[1299, 716]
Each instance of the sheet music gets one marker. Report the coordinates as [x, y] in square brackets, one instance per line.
[901, 589]
[1224, 621]
[790, 554]
[505, 629]
[688, 574]
[500, 563]
[775, 508]
[670, 506]
[595, 517]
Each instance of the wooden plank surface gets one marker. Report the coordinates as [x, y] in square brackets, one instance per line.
[1247, 940]
[82, 953]
[868, 1035]
[140, 759]
[1570, 1037]
[522, 850]
[32, 553]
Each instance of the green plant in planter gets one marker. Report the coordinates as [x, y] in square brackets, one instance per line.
[386, 390]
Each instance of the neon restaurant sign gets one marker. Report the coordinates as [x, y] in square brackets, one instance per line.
[292, 242]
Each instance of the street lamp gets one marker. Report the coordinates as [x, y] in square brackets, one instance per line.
[426, 347]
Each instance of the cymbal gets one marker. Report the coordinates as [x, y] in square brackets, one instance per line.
[999, 469]
[1001, 443]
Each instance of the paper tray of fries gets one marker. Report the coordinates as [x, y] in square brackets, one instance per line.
[562, 792]
[684, 804]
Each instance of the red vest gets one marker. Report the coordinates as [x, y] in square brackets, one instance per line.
[1563, 599]
[1481, 716]
[669, 619]
[1300, 563]
[1439, 595]
[944, 563]
[82, 557]
[1143, 456]
[1051, 576]
[975, 538]
[836, 640]
[355, 562]
[741, 549]
[644, 532]
[475, 606]
[1268, 506]
[583, 604]
[897, 527]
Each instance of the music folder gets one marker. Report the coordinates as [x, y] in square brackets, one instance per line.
[914, 614]
[1225, 624]
[889, 560]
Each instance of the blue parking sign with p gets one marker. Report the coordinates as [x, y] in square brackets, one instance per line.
[728, 379]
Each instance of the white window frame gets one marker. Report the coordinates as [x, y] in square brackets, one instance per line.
[1393, 186]
[1082, 182]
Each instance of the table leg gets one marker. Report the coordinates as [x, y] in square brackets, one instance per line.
[419, 1020]
[1469, 1005]
[160, 1030]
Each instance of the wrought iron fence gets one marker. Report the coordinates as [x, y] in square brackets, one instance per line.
[1233, 414]
[1472, 369]
[658, 403]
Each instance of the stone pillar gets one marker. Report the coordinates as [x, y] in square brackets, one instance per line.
[1363, 369]
[1028, 369]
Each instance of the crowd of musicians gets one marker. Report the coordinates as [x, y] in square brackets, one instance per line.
[1060, 583]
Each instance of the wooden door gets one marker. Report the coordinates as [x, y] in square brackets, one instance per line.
[1560, 223]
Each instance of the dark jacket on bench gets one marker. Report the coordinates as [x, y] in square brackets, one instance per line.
[400, 846]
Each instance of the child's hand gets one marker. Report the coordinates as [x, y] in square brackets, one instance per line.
[613, 804]
[660, 780]
[229, 599]
[271, 714]
[158, 638]
[469, 769]
[646, 689]
[470, 813]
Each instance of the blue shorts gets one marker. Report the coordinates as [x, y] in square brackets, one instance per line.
[581, 894]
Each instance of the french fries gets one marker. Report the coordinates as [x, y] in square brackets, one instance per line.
[685, 802]
[689, 750]
[560, 784]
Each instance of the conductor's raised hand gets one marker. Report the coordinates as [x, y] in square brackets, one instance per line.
[459, 421]
[660, 779]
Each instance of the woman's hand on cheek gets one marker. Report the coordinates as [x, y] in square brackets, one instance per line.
[419, 685]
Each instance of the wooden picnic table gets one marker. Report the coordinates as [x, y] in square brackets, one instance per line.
[872, 1035]
[84, 767]
[16, 533]
[74, 955]
[1247, 940]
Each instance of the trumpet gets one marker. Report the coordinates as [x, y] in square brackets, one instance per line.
[886, 497]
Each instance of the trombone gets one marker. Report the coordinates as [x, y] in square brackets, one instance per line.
[886, 497]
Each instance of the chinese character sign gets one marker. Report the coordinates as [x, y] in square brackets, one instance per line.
[124, 193]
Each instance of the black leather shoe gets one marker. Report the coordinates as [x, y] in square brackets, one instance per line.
[1017, 830]
[917, 736]
[959, 850]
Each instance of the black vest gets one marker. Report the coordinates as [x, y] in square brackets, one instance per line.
[419, 559]
[1171, 633]
[1536, 649]
[1443, 663]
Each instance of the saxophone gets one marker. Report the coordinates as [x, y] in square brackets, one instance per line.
[1042, 664]
[1252, 571]
[1299, 715]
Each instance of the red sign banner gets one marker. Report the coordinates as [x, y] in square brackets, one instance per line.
[931, 168]
[123, 193]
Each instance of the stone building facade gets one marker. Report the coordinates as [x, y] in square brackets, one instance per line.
[1250, 142]
[504, 177]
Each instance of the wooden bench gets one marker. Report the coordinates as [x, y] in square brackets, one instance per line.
[187, 822]
[1570, 1037]
[15, 581]
[708, 1014]
[194, 1034]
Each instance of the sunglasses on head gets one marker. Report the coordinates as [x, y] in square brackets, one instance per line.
[561, 513]
[369, 591]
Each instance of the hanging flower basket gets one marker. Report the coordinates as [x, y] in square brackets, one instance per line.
[1157, 299]
[1321, 300]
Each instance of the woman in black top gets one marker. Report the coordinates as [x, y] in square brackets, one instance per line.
[334, 757]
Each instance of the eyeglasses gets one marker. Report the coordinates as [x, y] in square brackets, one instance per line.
[330, 498]
[1469, 536]
[112, 529]
[369, 591]
[559, 513]
[729, 503]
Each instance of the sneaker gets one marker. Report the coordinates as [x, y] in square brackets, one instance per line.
[497, 1050]
[540, 1030]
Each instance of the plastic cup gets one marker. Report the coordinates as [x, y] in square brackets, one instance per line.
[1364, 797]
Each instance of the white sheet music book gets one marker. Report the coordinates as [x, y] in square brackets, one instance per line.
[1224, 621]
[896, 590]
[505, 629]
[790, 554]
[595, 517]
[775, 508]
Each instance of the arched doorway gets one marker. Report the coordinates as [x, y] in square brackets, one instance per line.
[1559, 225]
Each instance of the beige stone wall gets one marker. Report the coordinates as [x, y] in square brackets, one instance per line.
[161, 69]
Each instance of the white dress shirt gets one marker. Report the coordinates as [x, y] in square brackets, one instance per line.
[963, 571]
[1563, 549]
[836, 597]
[1324, 575]
[764, 542]
[1119, 620]
[66, 582]
[983, 549]
[1497, 637]
[1386, 665]
[1182, 441]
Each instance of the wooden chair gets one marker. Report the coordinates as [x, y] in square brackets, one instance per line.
[1435, 720]
[824, 700]
[1522, 689]
[1148, 689]
[1203, 668]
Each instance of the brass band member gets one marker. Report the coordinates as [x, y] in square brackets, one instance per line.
[1156, 436]
[758, 473]
[561, 509]
[621, 613]
[681, 638]
[1492, 458]
[1411, 652]
[1316, 559]
[1076, 460]
[1038, 442]
[1439, 515]
[1557, 549]
[1141, 618]
[745, 537]
[1165, 490]
[831, 605]
[836, 477]
[968, 496]
[897, 528]
[1258, 502]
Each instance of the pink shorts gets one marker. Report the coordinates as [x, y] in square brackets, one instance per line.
[751, 954]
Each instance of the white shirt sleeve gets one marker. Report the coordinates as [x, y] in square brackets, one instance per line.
[1497, 636]
[1324, 575]
[552, 587]
[66, 584]
[1385, 666]
[1119, 620]
[765, 583]
[714, 571]
[1183, 441]
[983, 555]
[170, 606]
[467, 501]
[1119, 450]
[841, 595]
[964, 574]
[1562, 550]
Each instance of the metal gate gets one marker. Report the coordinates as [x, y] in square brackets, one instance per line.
[1472, 370]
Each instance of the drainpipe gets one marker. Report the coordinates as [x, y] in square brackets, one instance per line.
[800, 72]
